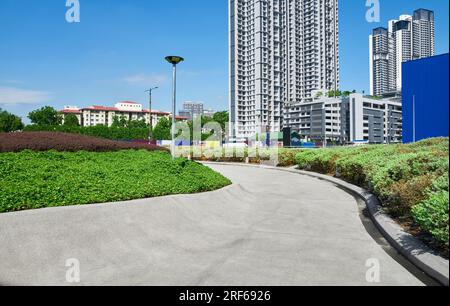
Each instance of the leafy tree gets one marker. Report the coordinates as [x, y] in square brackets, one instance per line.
[10, 122]
[331, 93]
[45, 116]
[319, 95]
[162, 130]
[346, 93]
[137, 124]
[116, 122]
[119, 122]
[222, 117]
[71, 120]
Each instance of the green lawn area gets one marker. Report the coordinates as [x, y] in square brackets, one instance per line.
[30, 180]
[410, 180]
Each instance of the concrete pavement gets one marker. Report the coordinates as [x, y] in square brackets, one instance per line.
[269, 228]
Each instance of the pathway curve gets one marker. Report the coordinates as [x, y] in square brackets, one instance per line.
[269, 228]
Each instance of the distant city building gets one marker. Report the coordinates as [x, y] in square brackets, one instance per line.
[346, 120]
[280, 53]
[424, 35]
[186, 114]
[371, 120]
[379, 61]
[209, 112]
[426, 98]
[316, 120]
[192, 109]
[405, 39]
[103, 115]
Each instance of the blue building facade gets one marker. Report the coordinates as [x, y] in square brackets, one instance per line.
[425, 98]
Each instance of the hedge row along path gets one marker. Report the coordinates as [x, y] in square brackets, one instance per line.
[64, 142]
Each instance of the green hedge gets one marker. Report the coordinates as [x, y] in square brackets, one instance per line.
[410, 180]
[113, 133]
[33, 180]
[432, 214]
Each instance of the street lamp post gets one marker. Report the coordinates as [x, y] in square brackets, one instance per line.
[150, 137]
[414, 118]
[174, 60]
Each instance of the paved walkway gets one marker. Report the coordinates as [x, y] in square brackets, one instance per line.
[269, 228]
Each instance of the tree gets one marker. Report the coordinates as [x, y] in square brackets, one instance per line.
[45, 116]
[346, 93]
[331, 93]
[119, 122]
[162, 130]
[71, 120]
[223, 118]
[319, 95]
[10, 122]
[137, 124]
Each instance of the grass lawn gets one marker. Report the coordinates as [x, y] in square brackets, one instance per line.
[410, 180]
[30, 180]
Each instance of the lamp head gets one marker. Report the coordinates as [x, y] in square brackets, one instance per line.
[174, 60]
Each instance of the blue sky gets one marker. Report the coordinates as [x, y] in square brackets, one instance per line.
[118, 50]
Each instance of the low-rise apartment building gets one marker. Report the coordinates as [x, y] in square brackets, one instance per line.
[316, 120]
[351, 119]
[374, 120]
[103, 115]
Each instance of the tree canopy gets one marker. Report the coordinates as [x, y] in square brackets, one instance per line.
[223, 118]
[332, 93]
[71, 120]
[162, 130]
[46, 115]
[10, 122]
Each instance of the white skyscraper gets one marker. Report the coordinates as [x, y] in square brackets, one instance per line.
[408, 38]
[379, 61]
[281, 51]
[423, 34]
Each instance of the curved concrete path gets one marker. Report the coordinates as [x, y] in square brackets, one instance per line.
[269, 228]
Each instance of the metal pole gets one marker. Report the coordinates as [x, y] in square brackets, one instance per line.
[151, 117]
[414, 118]
[174, 101]
[324, 126]
[335, 70]
[388, 140]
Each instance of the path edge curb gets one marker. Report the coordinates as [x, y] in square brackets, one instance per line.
[419, 254]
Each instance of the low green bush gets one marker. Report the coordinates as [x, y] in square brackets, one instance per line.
[101, 131]
[432, 214]
[31, 180]
[400, 175]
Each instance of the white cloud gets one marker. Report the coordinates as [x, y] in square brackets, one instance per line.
[13, 82]
[146, 80]
[14, 96]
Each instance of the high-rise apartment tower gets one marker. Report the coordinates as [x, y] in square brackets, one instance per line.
[281, 53]
[405, 39]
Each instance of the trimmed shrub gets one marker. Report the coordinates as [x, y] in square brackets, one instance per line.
[101, 131]
[432, 214]
[45, 141]
[400, 175]
[31, 180]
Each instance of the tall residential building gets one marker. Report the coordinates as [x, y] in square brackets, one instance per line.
[424, 34]
[379, 61]
[281, 52]
[402, 38]
[408, 38]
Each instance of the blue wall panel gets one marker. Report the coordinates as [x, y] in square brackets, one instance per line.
[427, 80]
